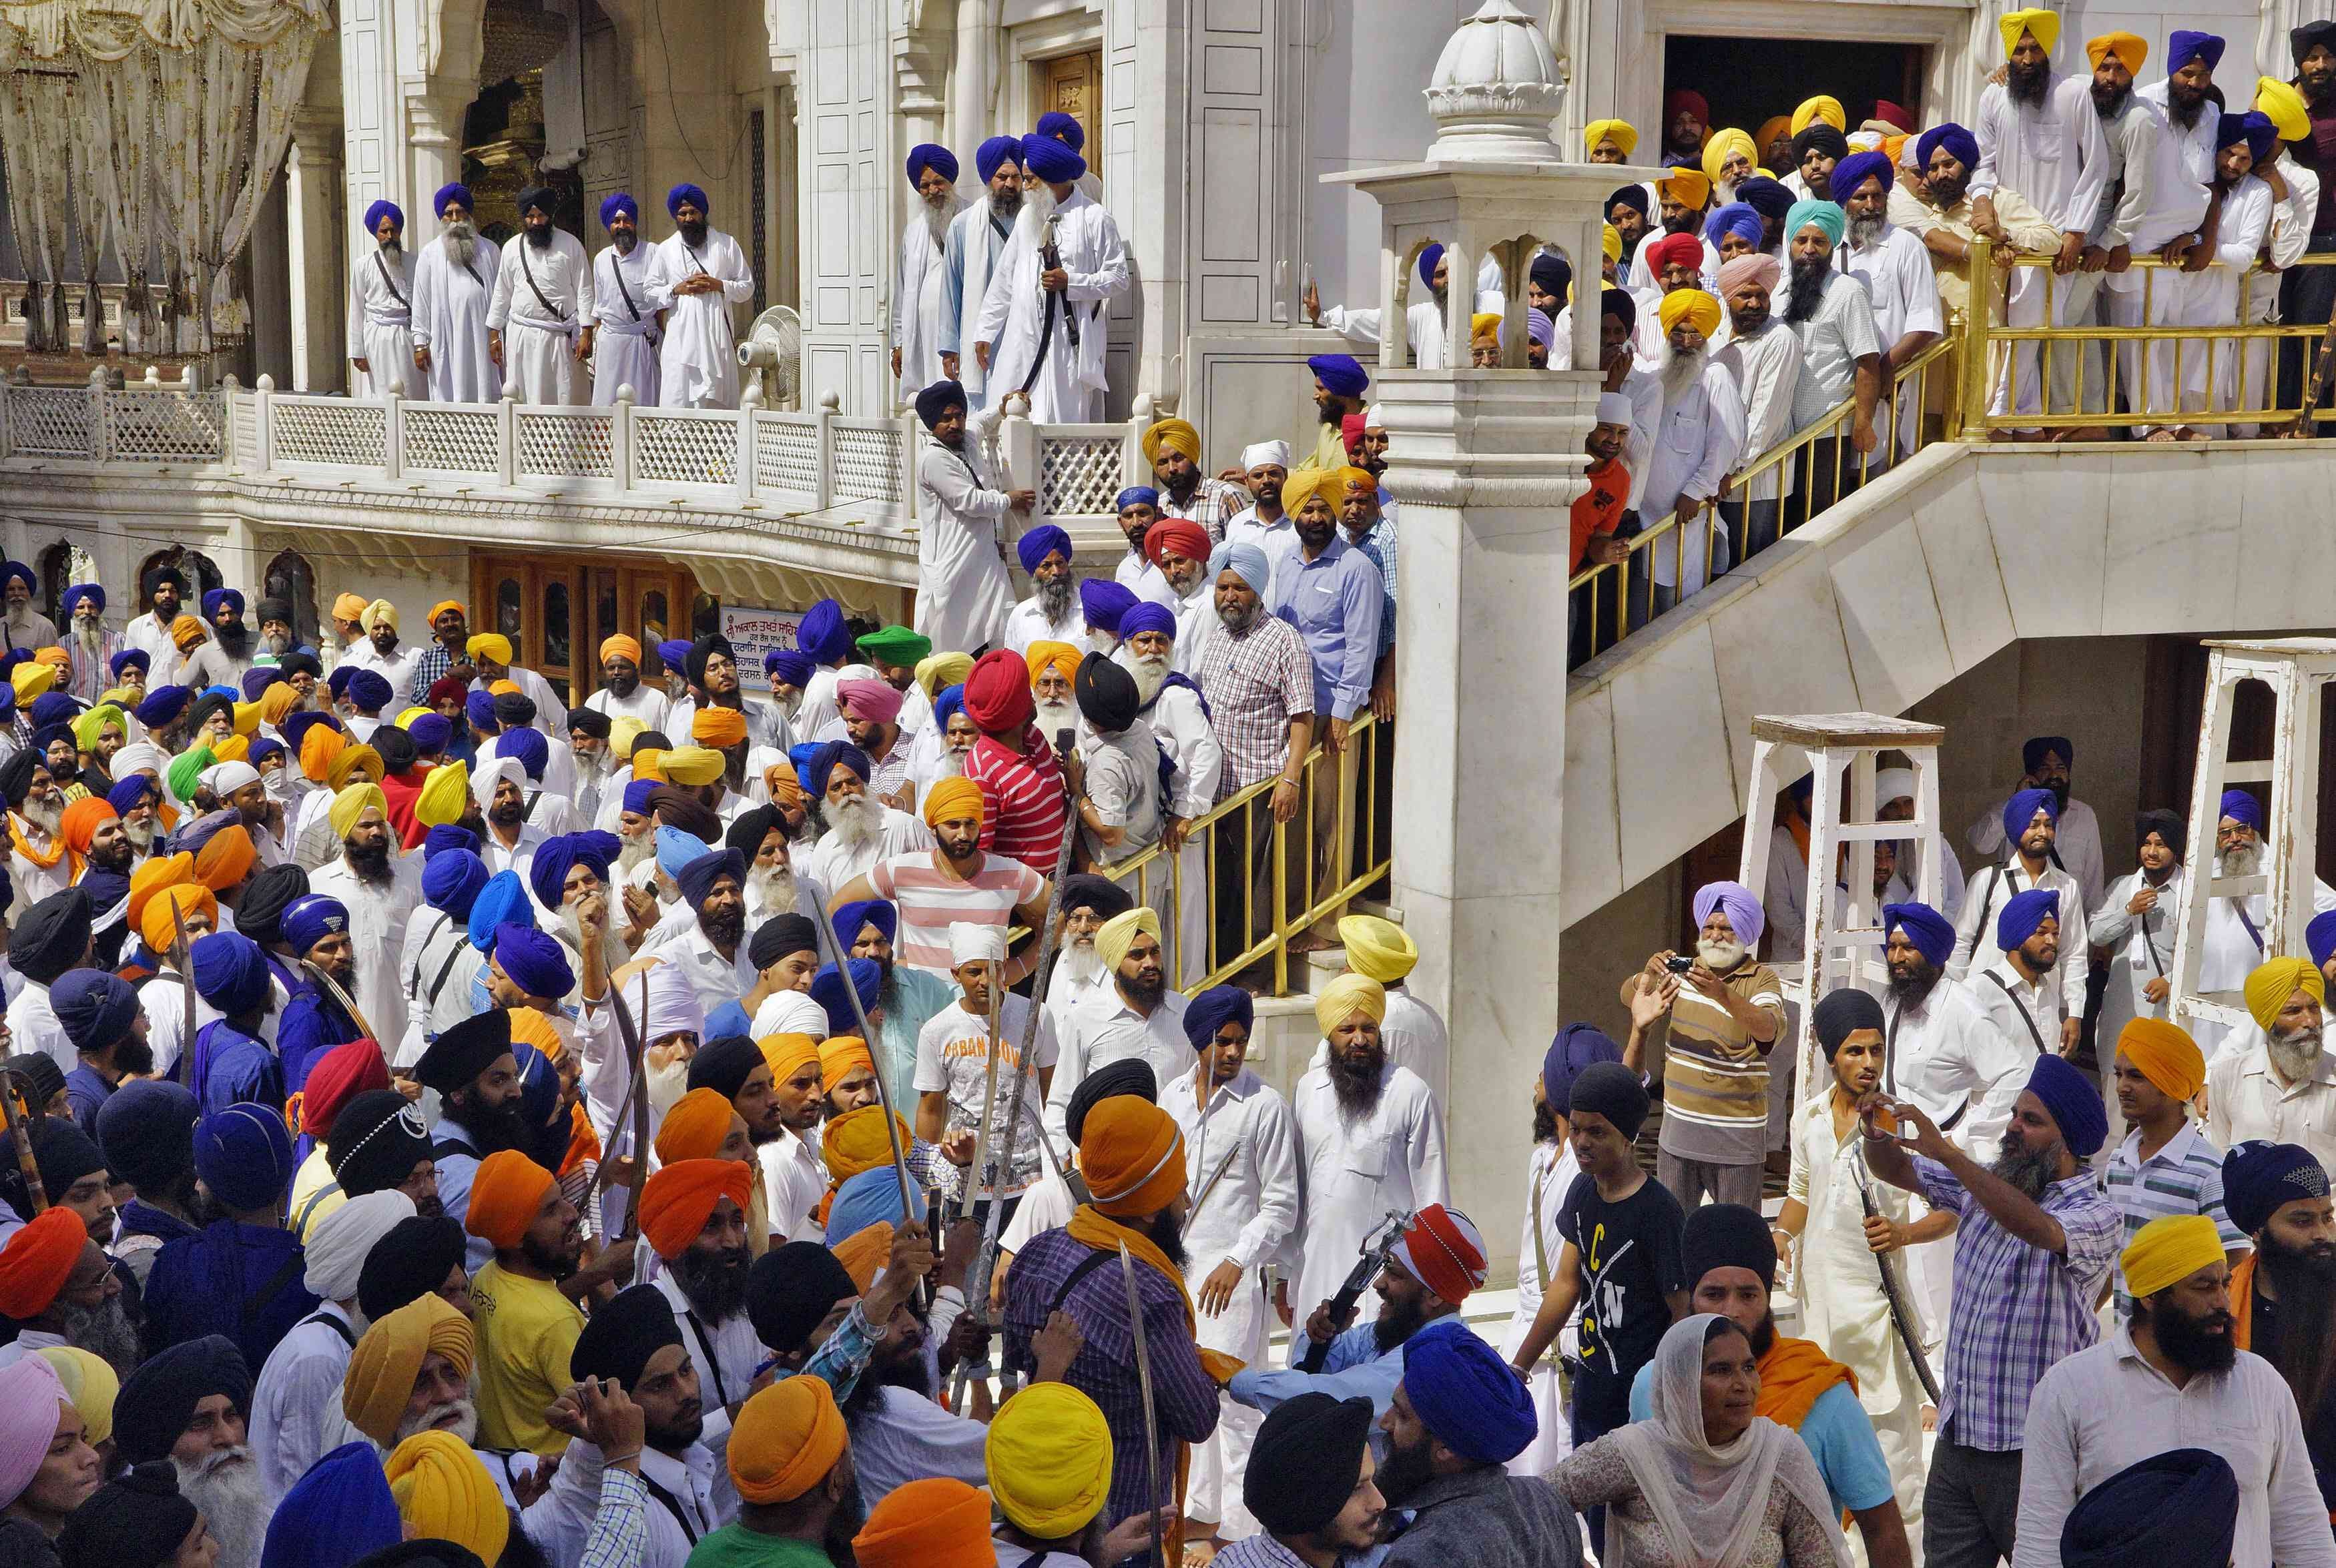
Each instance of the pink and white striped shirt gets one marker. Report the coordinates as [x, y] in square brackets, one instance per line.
[931, 899]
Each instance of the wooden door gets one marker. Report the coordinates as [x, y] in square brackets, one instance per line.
[557, 609]
[1072, 84]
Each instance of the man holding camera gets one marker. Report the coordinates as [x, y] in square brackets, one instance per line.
[1715, 1015]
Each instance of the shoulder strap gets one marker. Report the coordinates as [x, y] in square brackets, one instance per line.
[300, 1220]
[673, 1506]
[444, 970]
[443, 1146]
[2020, 1007]
[527, 271]
[389, 282]
[713, 1362]
[1085, 1268]
[616, 266]
[529, 815]
[332, 1322]
[290, 1270]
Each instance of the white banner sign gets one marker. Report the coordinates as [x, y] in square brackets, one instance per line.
[755, 633]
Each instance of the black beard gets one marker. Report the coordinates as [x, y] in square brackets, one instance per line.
[725, 929]
[233, 635]
[1406, 1470]
[1945, 192]
[133, 1056]
[1544, 1125]
[1145, 994]
[1748, 323]
[1356, 1083]
[369, 861]
[2060, 795]
[2111, 107]
[1396, 1323]
[511, 815]
[716, 1284]
[1808, 288]
[493, 1129]
[692, 235]
[115, 857]
[625, 685]
[1764, 1337]
[2026, 84]
[540, 237]
[559, 1265]
[2184, 111]
[1054, 595]
[1911, 990]
[2310, 1268]
[1167, 1237]
[429, 1207]
[677, 1438]
[2030, 1172]
[2185, 1340]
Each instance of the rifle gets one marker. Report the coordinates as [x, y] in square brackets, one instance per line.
[1376, 1248]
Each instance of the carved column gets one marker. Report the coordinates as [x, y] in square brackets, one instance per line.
[314, 201]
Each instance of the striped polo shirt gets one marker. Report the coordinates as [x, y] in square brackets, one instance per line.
[1024, 812]
[931, 899]
[1716, 1076]
[2184, 1177]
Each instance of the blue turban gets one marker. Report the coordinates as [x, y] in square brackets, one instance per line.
[244, 1155]
[2021, 808]
[73, 596]
[1212, 1009]
[479, 708]
[546, 873]
[2230, 128]
[339, 1512]
[129, 793]
[452, 880]
[1341, 374]
[2183, 46]
[446, 837]
[338, 682]
[2021, 913]
[618, 201]
[55, 708]
[2074, 1104]
[1050, 160]
[370, 690]
[689, 193]
[96, 1008]
[2240, 807]
[674, 652]
[827, 990]
[453, 191]
[799, 755]
[788, 666]
[2259, 1176]
[501, 902]
[637, 796]
[129, 657]
[1740, 903]
[830, 755]
[824, 635]
[47, 735]
[230, 972]
[929, 155]
[13, 571]
[1739, 218]
[1056, 123]
[2319, 937]
[1034, 546]
[262, 749]
[1465, 1395]
[997, 151]
[533, 960]
[529, 746]
[950, 700]
[1147, 617]
[297, 727]
[1134, 495]
[1245, 560]
[163, 704]
[696, 879]
[2263, 136]
[1961, 145]
[852, 919]
[1578, 1048]
[1103, 601]
[2181, 1506]
[258, 679]
[430, 732]
[387, 209]
[1824, 215]
[1430, 256]
[676, 849]
[309, 919]
[1932, 933]
[1854, 170]
[871, 1199]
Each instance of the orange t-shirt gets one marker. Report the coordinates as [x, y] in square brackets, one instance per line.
[1597, 509]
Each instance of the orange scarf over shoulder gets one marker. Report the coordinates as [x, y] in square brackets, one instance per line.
[56, 851]
[1794, 1375]
[2242, 1302]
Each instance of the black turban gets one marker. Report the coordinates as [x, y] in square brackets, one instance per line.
[158, 575]
[146, 1129]
[1727, 1237]
[398, 755]
[409, 1262]
[675, 808]
[780, 936]
[2167, 825]
[1085, 890]
[157, 1400]
[268, 610]
[375, 1143]
[725, 1065]
[1617, 304]
[299, 663]
[621, 1336]
[1843, 1013]
[705, 648]
[1129, 1075]
[590, 721]
[536, 195]
[136, 1521]
[1553, 276]
[271, 891]
[422, 1554]
[2031, 754]
[1105, 694]
[38, 1076]
[1310, 1454]
[51, 936]
[747, 833]
[65, 1153]
[790, 1289]
[2178, 1506]
[514, 710]
[206, 706]
[1633, 196]
[937, 399]
[456, 1058]
[16, 774]
[1816, 134]
[1614, 1092]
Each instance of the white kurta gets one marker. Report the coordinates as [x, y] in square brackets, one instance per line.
[969, 254]
[698, 366]
[1066, 384]
[1356, 1171]
[2075, 844]
[539, 324]
[378, 912]
[918, 296]
[625, 348]
[381, 327]
[963, 593]
[1550, 1171]
[450, 320]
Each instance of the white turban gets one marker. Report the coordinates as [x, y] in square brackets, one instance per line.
[135, 758]
[1264, 452]
[224, 778]
[1614, 408]
[1894, 784]
[489, 774]
[671, 1006]
[791, 1012]
[972, 940]
[338, 1243]
[1373, 418]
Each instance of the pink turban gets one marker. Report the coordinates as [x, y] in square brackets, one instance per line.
[872, 702]
[29, 1390]
[1757, 268]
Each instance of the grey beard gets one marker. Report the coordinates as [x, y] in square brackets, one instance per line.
[105, 1331]
[1150, 673]
[1009, 205]
[1240, 618]
[275, 643]
[465, 1426]
[1183, 580]
[1055, 595]
[772, 891]
[2031, 1173]
[1081, 963]
[2244, 862]
[90, 635]
[625, 242]
[140, 833]
[612, 946]
[635, 851]
[2294, 1055]
[952, 765]
[1052, 716]
[855, 820]
[1719, 957]
[1865, 231]
[393, 248]
[1683, 370]
[462, 242]
[227, 1487]
[49, 816]
[667, 1084]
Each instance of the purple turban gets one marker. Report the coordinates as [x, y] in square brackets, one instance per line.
[1742, 907]
[1033, 546]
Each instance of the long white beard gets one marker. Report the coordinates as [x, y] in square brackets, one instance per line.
[1719, 957]
[226, 1485]
[141, 833]
[2294, 1055]
[48, 817]
[2244, 861]
[91, 636]
[462, 243]
[592, 766]
[1680, 372]
[465, 1426]
[1030, 224]
[788, 707]
[635, 851]
[1151, 672]
[1081, 961]
[857, 820]
[952, 765]
[667, 1084]
[770, 891]
[1054, 716]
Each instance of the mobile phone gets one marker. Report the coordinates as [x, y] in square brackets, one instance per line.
[1679, 962]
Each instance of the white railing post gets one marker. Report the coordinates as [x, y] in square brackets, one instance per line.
[507, 435]
[264, 420]
[101, 443]
[911, 428]
[393, 429]
[823, 482]
[233, 454]
[1141, 416]
[1017, 444]
[620, 439]
[747, 406]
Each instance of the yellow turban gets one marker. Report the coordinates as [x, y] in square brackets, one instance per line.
[1378, 949]
[350, 803]
[952, 796]
[351, 763]
[1484, 331]
[186, 632]
[1049, 1457]
[444, 1491]
[2045, 24]
[1822, 108]
[788, 1439]
[2167, 1250]
[1610, 242]
[1346, 996]
[187, 899]
[382, 1368]
[691, 765]
[2129, 50]
[1722, 143]
[2283, 105]
[856, 1141]
[788, 1054]
[234, 748]
[404, 720]
[32, 679]
[1692, 305]
[494, 645]
[90, 1383]
[1176, 436]
[648, 763]
[445, 791]
[839, 1054]
[90, 726]
[1621, 133]
[1687, 187]
[1773, 131]
[696, 1128]
[622, 733]
[1062, 655]
[246, 718]
[2272, 983]
[1118, 934]
[621, 646]
[2165, 1054]
[937, 672]
[381, 612]
[275, 703]
[348, 606]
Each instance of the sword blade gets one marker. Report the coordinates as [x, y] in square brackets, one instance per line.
[1150, 1411]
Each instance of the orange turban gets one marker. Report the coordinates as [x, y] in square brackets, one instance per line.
[349, 762]
[2166, 1055]
[227, 858]
[785, 789]
[38, 1259]
[839, 1054]
[677, 1200]
[1062, 655]
[530, 1027]
[1133, 1156]
[720, 728]
[275, 703]
[186, 632]
[856, 1142]
[952, 796]
[620, 648]
[938, 1521]
[695, 1129]
[436, 610]
[84, 817]
[152, 876]
[155, 926]
[786, 1054]
[506, 1194]
[864, 1253]
[56, 656]
[788, 1439]
[348, 606]
[379, 1379]
[319, 747]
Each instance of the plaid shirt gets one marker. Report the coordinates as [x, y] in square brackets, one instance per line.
[430, 667]
[1212, 505]
[1184, 1398]
[1377, 546]
[621, 1526]
[2184, 1177]
[1258, 1552]
[2017, 1308]
[1254, 682]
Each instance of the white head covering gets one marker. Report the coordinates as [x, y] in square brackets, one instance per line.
[1613, 408]
[224, 778]
[138, 756]
[790, 1013]
[1894, 784]
[1264, 452]
[971, 941]
[337, 1244]
[488, 774]
[668, 1002]
[1373, 420]
[1711, 1499]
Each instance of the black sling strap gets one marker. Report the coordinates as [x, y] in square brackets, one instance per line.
[713, 1362]
[390, 282]
[2025, 1016]
[616, 266]
[673, 1506]
[290, 1270]
[528, 272]
[1072, 1284]
[332, 1322]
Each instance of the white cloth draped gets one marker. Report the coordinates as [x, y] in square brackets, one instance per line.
[1067, 384]
[450, 320]
[917, 297]
[699, 361]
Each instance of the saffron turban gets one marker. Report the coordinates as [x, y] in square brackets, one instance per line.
[1041, 655]
[998, 694]
[387, 1359]
[2074, 1104]
[2020, 811]
[1687, 186]
[995, 153]
[839, 1054]
[1341, 374]
[2129, 50]
[492, 646]
[1050, 160]
[1857, 169]
[83, 819]
[2272, 983]
[36, 1262]
[678, 1198]
[1465, 1395]
[696, 1128]
[1691, 305]
[2165, 1054]
[1117, 935]
[1674, 250]
[691, 194]
[1346, 996]
[2275, 100]
[1577, 1048]
[1621, 133]
[1840, 1014]
[1175, 435]
[32, 1390]
[1739, 218]
[350, 805]
[2044, 24]
[2237, 805]
[155, 926]
[1819, 109]
[788, 1439]
[1738, 903]
[787, 1053]
[1442, 1250]
[860, 1140]
[1378, 949]
[1825, 217]
[2169, 1250]
[506, 1193]
[2260, 1177]
[444, 1493]
[931, 155]
[1133, 1156]
[90, 1384]
[2022, 914]
[1961, 145]
[1035, 545]
[870, 702]
[1758, 268]
[2181, 1506]
[1049, 1456]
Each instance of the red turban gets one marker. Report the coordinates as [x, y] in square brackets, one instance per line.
[1182, 535]
[1685, 249]
[997, 692]
[339, 1076]
[1688, 99]
[37, 1260]
[678, 1199]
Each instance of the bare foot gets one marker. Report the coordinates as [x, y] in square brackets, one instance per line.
[2161, 437]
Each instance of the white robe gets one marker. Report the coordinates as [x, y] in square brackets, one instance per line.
[378, 915]
[963, 593]
[1356, 1171]
[699, 366]
[450, 320]
[1066, 387]
[918, 297]
[969, 259]
[625, 348]
[381, 327]
[539, 344]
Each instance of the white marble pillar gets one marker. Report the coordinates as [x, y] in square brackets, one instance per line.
[319, 272]
[433, 150]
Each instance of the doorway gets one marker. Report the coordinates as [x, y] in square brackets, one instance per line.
[557, 609]
[1747, 81]
[1072, 84]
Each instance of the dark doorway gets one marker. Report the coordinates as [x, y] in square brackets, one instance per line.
[1747, 81]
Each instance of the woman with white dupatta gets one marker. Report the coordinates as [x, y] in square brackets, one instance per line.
[1705, 1483]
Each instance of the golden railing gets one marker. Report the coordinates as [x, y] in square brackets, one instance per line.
[1271, 881]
